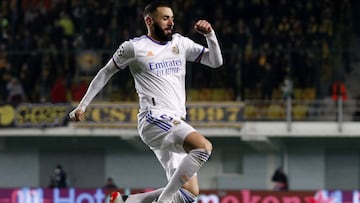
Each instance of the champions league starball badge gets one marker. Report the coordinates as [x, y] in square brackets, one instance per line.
[120, 50]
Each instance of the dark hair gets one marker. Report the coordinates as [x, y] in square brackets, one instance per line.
[151, 8]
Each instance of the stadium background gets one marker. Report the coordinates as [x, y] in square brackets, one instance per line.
[53, 48]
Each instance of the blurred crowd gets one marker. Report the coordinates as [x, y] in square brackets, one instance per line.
[50, 48]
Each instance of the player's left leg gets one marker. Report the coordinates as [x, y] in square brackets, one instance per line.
[180, 149]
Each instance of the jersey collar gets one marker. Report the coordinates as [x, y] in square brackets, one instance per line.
[157, 42]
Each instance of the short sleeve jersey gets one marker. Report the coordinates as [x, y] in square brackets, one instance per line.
[159, 70]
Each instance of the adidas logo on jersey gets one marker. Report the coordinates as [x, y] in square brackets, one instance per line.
[150, 53]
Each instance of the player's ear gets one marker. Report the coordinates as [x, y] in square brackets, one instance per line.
[148, 20]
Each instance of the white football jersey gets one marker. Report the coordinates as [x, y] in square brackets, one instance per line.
[159, 70]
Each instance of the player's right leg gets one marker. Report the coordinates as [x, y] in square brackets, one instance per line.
[145, 197]
[182, 196]
[115, 197]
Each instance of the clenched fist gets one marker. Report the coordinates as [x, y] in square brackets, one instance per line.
[203, 27]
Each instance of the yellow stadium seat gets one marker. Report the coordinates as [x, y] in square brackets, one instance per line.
[300, 111]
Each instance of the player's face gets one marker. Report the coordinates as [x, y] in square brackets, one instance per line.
[163, 25]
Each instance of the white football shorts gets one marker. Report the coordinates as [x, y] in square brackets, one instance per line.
[164, 134]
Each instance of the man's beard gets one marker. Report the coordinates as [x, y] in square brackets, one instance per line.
[160, 33]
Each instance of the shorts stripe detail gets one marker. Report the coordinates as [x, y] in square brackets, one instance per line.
[159, 123]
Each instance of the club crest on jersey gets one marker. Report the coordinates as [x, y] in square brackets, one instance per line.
[175, 50]
[176, 122]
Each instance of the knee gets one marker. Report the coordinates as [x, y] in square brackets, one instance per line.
[208, 146]
[205, 145]
[197, 141]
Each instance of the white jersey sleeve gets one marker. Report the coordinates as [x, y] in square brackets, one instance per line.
[210, 56]
[124, 55]
[121, 58]
[158, 70]
[97, 83]
[194, 51]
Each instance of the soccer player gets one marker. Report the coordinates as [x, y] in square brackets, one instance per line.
[157, 63]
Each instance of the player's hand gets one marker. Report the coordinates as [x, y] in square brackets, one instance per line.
[203, 27]
[77, 115]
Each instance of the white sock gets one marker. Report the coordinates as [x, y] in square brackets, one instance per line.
[146, 197]
[187, 168]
